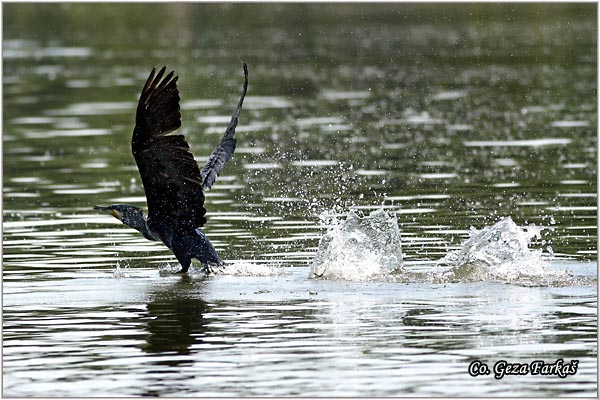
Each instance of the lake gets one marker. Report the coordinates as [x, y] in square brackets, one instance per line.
[448, 119]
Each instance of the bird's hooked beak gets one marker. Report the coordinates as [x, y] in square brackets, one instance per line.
[110, 211]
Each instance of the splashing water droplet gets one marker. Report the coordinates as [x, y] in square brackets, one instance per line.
[241, 268]
[498, 252]
[118, 273]
[358, 248]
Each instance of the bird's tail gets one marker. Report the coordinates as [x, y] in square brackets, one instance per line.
[205, 252]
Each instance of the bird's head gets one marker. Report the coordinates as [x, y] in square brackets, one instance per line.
[129, 215]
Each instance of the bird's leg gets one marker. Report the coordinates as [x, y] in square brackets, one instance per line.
[185, 263]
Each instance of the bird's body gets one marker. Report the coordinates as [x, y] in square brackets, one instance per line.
[173, 182]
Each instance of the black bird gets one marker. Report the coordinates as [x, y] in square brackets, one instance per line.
[173, 182]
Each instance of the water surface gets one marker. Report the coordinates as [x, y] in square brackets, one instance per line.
[447, 116]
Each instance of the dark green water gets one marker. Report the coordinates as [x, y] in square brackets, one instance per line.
[450, 116]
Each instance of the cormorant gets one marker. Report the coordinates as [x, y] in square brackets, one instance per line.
[173, 183]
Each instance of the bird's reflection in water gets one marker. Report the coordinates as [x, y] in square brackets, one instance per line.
[175, 320]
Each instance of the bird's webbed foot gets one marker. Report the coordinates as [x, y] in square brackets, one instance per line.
[214, 269]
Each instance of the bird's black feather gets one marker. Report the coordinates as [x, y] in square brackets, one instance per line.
[225, 148]
[170, 175]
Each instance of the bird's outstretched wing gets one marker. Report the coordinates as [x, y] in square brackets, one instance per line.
[170, 175]
[226, 146]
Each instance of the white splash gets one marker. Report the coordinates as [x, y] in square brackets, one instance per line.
[358, 248]
[169, 269]
[237, 268]
[369, 248]
[241, 268]
[118, 272]
[498, 252]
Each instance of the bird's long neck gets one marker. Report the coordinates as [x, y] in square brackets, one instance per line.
[140, 224]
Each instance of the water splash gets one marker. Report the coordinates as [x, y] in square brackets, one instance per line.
[369, 248]
[499, 252]
[121, 272]
[241, 268]
[169, 269]
[237, 268]
[362, 248]
[118, 272]
[358, 248]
